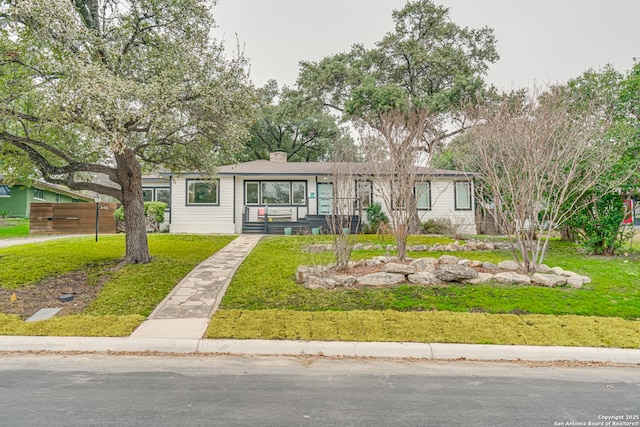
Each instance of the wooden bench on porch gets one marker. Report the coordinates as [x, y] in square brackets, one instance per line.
[275, 214]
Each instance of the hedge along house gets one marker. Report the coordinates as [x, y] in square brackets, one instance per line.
[268, 196]
[16, 199]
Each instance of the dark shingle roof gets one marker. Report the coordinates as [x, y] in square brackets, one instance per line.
[266, 167]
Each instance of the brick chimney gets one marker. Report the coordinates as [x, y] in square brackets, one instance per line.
[278, 156]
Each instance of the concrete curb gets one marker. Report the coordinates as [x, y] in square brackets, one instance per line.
[98, 344]
[435, 351]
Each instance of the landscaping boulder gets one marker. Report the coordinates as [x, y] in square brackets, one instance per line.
[381, 279]
[303, 271]
[482, 278]
[452, 247]
[448, 259]
[344, 280]
[301, 274]
[337, 280]
[543, 268]
[489, 265]
[584, 279]
[509, 265]
[419, 248]
[425, 264]
[315, 282]
[575, 282]
[424, 278]
[393, 267]
[455, 273]
[549, 280]
[512, 278]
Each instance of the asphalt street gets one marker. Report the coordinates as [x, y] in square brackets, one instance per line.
[100, 390]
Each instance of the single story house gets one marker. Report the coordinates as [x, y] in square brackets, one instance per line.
[16, 199]
[266, 196]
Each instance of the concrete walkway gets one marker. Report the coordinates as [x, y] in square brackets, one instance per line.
[186, 311]
[5, 243]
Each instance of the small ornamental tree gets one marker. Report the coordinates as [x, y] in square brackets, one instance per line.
[539, 158]
[343, 175]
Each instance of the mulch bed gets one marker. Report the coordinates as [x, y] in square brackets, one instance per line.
[45, 295]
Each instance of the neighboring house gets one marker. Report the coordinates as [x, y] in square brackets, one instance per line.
[269, 195]
[16, 199]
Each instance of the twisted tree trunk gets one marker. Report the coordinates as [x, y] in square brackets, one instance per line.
[130, 178]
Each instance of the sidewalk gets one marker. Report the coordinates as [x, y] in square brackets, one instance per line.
[5, 243]
[410, 351]
[185, 312]
[179, 322]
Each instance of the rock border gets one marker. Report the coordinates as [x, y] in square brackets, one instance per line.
[468, 246]
[443, 271]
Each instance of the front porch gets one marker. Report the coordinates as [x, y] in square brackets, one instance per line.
[267, 220]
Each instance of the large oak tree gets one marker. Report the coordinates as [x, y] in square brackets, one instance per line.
[113, 87]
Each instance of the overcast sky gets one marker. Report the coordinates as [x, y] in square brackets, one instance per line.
[541, 41]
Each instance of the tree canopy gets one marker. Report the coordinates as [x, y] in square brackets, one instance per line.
[113, 87]
[616, 96]
[427, 66]
[287, 121]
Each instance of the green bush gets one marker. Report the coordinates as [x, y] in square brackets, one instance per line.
[3, 213]
[376, 217]
[153, 212]
[441, 226]
[118, 215]
[598, 224]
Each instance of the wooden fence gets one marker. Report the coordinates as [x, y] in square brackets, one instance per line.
[72, 218]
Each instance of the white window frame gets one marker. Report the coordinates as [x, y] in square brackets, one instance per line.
[36, 191]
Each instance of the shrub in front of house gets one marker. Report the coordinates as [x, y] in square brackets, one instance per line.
[440, 226]
[153, 212]
[376, 219]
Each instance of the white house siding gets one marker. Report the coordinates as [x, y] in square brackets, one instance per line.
[203, 219]
[224, 219]
[442, 205]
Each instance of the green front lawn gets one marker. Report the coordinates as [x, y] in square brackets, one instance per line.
[129, 294]
[603, 313]
[11, 228]
[615, 291]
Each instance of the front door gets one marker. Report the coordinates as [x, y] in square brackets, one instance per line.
[325, 198]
